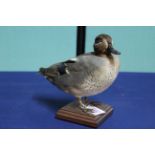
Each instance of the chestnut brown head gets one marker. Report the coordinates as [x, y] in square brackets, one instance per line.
[103, 45]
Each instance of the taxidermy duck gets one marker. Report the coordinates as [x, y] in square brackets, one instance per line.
[87, 74]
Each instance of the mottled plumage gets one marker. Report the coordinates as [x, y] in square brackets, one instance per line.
[87, 74]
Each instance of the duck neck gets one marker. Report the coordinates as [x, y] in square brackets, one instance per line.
[104, 54]
[100, 52]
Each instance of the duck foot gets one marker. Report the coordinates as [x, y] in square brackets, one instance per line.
[92, 110]
[90, 107]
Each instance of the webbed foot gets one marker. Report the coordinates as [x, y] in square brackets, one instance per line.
[89, 107]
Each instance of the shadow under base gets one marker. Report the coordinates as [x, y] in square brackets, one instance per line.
[71, 112]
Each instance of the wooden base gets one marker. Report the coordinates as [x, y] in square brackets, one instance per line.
[73, 113]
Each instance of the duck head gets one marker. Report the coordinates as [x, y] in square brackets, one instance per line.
[103, 45]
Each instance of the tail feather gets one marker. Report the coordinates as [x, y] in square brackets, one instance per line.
[49, 72]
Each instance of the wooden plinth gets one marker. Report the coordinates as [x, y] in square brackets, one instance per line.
[73, 113]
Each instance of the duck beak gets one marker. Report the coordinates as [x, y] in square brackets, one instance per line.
[112, 50]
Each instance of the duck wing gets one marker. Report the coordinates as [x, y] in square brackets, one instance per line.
[73, 72]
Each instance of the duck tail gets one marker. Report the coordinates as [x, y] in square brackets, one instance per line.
[42, 70]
